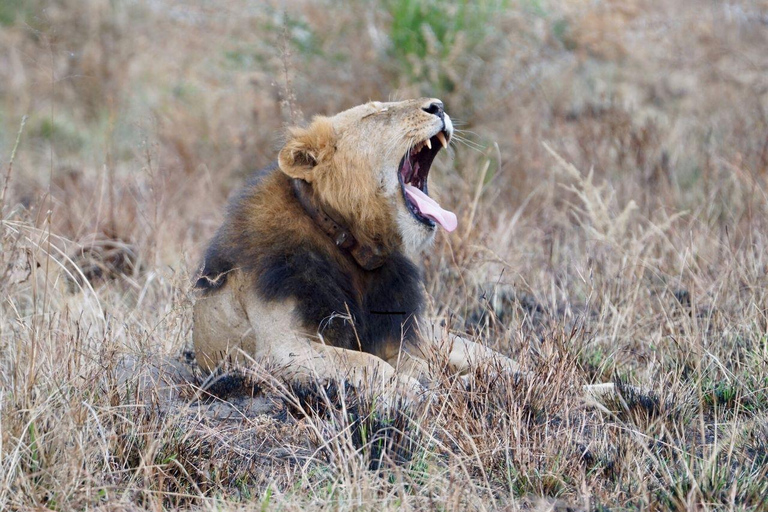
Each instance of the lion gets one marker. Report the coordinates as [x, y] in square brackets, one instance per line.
[315, 269]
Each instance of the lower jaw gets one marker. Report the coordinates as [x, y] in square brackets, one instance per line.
[426, 224]
[409, 225]
[423, 222]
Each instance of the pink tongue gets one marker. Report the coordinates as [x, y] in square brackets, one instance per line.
[430, 209]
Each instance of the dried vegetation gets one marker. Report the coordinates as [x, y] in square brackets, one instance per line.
[610, 177]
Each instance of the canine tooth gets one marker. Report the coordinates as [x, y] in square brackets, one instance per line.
[442, 139]
[428, 143]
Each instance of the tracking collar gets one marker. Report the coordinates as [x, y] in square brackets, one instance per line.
[368, 256]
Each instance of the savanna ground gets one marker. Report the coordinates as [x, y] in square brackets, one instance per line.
[610, 180]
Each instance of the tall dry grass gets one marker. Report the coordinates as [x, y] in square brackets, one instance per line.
[610, 180]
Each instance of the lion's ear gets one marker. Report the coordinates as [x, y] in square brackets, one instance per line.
[307, 148]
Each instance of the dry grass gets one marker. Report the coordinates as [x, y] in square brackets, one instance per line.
[613, 227]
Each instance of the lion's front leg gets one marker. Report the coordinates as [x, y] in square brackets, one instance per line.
[299, 360]
[233, 327]
[464, 355]
[294, 356]
[361, 368]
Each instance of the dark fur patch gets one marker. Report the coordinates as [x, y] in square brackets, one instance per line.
[392, 302]
[328, 302]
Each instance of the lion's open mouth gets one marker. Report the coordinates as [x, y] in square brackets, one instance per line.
[414, 170]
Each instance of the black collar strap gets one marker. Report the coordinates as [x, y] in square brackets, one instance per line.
[369, 257]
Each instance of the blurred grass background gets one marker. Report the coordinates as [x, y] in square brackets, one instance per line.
[610, 184]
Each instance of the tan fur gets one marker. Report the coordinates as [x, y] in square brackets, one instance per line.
[351, 161]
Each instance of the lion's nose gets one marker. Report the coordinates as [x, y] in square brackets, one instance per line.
[434, 107]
